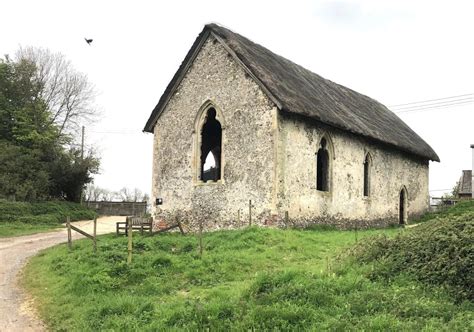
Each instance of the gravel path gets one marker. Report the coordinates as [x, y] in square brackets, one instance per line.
[16, 310]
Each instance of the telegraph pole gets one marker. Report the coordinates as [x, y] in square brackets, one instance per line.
[82, 143]
[82, 157]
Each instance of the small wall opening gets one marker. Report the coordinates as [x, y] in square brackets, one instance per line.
[367, 165]
[209, 168]
[211, 142]
[322, 167]
[403, 213]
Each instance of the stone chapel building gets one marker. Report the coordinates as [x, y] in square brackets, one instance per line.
[238, 123]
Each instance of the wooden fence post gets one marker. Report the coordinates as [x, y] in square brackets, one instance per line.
[200, 239]
[95, 234]
[355, 231]
[69, 235]
[129, 227]
[250, 212]
[287, 218]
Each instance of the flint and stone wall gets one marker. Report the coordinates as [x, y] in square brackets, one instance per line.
[269, 157]
[345, 204]
[247, 145]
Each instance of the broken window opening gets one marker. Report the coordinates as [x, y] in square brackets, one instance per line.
[322, 167]
[367, 175]
[211, 140]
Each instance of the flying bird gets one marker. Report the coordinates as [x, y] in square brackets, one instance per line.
[88, 41]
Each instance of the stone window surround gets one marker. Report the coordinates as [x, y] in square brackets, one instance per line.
[369, 160]
[403, 189]
[199, 121]
[332, 157]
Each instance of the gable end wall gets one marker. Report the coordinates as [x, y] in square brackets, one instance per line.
[248, 145]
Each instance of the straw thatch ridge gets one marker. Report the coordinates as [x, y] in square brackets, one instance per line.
[297, 90]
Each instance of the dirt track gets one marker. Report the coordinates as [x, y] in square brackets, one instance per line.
[16, 312]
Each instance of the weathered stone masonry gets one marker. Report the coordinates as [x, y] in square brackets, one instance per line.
[247, 140]
[345, 204]
[269, 156]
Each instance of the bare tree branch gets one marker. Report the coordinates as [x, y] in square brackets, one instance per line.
[68, 93]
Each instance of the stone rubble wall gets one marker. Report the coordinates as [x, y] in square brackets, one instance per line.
[269, 157]
[345, 205]
[247, 145]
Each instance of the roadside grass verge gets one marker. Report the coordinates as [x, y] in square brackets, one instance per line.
[22, 218]
[248, 279]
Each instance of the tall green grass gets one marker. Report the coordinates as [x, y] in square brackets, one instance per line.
[249, 279]
[21, 218]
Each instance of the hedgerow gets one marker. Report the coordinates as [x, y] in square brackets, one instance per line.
[438, 252]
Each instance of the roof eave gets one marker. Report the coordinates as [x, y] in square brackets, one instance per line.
[432, 156]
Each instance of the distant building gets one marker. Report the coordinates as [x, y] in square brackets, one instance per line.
[465, 184]
[301, 148]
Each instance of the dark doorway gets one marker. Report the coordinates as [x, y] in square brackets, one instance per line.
[402, 207]
[211, 141]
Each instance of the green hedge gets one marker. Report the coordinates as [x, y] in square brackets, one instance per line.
[439, 252]
[53, 212]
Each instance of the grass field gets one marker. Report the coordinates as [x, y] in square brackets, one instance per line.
[23, 218]
[254, 278]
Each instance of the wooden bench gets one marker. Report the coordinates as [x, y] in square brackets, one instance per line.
[141, 224]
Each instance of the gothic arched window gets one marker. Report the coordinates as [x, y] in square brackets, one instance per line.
[323, 166]
[211, 142]
[367, 166]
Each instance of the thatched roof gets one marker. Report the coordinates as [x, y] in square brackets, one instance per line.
[295, 89]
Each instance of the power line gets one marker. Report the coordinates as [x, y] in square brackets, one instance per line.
[425, 101]
[117, 132]
[435, 104]
[434, 107]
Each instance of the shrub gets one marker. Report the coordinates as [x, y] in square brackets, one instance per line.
[53, 212]
[440, 252]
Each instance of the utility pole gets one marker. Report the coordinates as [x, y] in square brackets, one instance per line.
[82, 143]
[82, 158]
[250, 212]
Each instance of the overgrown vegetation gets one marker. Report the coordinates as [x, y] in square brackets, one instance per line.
[440, 252]
[21, 218]
[463, 207]
[254, 278]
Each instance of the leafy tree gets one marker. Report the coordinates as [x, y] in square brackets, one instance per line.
[70, 173]
[25, 117]
[35, 163]
[23, 176]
